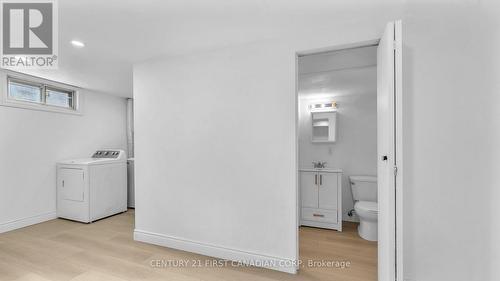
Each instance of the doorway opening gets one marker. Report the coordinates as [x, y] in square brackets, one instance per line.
[348, 137]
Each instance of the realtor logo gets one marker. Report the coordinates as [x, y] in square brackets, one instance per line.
[28, 34]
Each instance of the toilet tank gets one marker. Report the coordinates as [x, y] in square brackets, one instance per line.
[364, 188]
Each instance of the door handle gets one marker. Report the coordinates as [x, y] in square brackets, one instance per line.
[320, 179]
[63, 183]
[318, 215]
[316, 179]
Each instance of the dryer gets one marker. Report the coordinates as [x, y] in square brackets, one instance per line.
[92, 188]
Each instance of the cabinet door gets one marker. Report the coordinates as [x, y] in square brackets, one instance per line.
[71, 184]
[309, 189]
[328, 191]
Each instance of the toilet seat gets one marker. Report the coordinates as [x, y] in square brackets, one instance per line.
[366, 206]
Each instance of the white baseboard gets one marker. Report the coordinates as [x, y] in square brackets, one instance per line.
[275, 263]
[20, 223]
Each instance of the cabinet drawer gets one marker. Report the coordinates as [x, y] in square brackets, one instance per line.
[320, 215]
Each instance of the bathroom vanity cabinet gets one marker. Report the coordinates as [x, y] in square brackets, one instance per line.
[321, 198]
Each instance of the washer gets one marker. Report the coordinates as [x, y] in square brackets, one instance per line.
[92, 188]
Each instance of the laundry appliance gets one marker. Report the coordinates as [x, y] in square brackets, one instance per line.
[92, 188]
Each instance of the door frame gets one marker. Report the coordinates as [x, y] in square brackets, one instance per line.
[398, 93]
[398, 109]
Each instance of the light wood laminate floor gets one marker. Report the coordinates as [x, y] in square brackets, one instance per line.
[105, 251]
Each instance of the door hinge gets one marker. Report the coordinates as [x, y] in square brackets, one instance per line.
[395, 170]
[396, 45]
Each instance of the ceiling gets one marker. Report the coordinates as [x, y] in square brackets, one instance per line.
[119, 33]
[333, 74]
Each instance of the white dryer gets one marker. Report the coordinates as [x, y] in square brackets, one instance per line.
[92, 188]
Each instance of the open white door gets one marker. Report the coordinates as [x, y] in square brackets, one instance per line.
[389, 142]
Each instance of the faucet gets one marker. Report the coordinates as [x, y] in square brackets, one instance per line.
[319, 164]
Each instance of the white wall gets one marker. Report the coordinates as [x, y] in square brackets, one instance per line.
[355, 151]
[451, 137]
[31, 142]
[214, 151]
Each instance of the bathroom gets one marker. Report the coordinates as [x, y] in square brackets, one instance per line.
[337, 105]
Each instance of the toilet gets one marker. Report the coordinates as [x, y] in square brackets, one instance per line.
[364, 193]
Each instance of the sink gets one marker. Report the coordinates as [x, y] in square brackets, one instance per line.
[326, 170]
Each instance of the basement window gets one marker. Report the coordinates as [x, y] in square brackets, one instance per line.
[59, 97]
[40, 96]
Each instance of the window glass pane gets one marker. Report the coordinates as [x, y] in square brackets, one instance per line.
[25, 92]
[59, 98]
[42, 94]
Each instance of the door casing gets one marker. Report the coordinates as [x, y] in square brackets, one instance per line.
[397, 226]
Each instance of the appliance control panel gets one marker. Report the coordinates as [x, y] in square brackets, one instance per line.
[107, 154]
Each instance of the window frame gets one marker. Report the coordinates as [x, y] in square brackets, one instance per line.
[27, 83]
[45, 85]
[48, 88]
